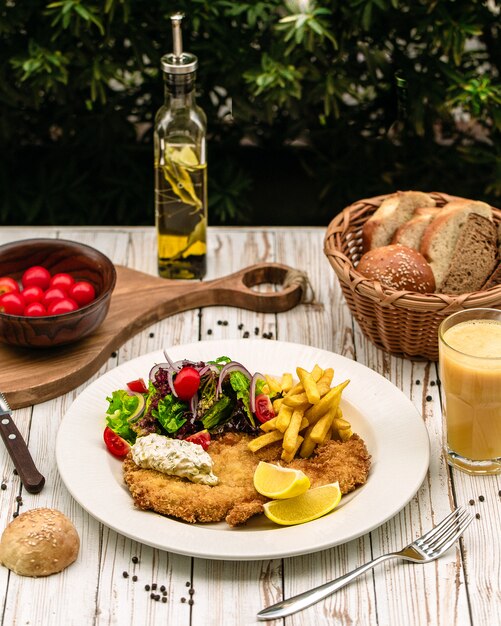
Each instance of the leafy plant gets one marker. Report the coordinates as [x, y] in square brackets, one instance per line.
[80, 84]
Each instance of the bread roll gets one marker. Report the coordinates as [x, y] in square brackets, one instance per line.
[398, 267]
[39, 542]
[379, 229]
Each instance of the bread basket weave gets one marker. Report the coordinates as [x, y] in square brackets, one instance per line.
[401, 322]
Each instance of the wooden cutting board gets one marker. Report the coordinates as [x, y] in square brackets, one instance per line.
[29, 376]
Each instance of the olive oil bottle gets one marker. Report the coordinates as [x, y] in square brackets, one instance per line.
[180, 168]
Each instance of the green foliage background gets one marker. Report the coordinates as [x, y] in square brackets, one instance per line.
[311, 89]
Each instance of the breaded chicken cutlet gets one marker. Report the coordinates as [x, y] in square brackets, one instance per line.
[234, 498]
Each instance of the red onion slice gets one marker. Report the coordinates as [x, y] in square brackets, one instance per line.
[252, 390]
[170, 361]
[232, 366]
[170, 380]
[155, 368]
[194, 404]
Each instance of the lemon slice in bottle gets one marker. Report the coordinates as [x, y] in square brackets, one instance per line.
[304, 508]
[278, 482]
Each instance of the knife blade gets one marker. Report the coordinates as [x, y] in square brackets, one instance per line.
[16, 446]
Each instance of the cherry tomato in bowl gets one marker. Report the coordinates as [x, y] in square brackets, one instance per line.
[8, 284]
[35, 309]
[62, 280]
[12, 303]
[115, 444]
[36, 275]
[58, 307]
[82, 292]
[33, 294]
[52, 294]
[264, 409]
[186, 383]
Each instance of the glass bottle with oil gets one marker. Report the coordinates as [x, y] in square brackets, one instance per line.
[180, 168]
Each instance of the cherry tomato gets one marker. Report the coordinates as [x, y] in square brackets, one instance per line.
[33, 294]
[264, 409]
[36, 275]
[115, 444]
[138, 385]
[7, 285]
[186, 383]
[12, 303]
[52, 294]
[35, 309]
[62, 280]
[202, 438]
[66, 305]
[82, 292]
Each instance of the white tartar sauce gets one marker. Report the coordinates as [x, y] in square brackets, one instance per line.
[174, 457]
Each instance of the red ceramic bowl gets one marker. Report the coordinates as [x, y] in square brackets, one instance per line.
[56, 255]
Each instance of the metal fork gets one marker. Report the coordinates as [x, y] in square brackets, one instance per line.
[427, 548]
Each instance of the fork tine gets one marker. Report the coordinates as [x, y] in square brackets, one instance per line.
[446, 533]
[438, 528]
[444, 542]
[446, 529]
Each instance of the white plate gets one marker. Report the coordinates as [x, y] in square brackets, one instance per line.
[388, 422]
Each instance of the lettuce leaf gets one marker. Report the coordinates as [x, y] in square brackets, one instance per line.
[122, 407]
[170, 413]
[241, 385]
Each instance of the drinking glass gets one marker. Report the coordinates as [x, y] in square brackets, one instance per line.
[470, 373]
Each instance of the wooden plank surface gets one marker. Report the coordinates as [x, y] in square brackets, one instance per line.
[461, 589]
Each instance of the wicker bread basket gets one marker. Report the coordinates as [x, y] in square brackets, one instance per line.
[401, 322]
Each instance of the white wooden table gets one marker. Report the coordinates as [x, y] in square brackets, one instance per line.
[463, 587]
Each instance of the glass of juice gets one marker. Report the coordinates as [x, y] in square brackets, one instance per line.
[470, 373]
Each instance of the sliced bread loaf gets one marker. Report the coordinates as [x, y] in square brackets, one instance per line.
[379, 229]
[411, 232]
[440, 237]
[474, 258]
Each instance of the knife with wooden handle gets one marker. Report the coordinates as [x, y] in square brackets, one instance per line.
[16, 446]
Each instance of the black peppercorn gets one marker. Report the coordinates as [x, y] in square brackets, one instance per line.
[152, 335]
[183, 599]
[432, 383]
[125, 574]
[418, 382]
[191, 602]
[472, 502]
[134, 578]
[15, 472]
[154, 586]
[429, 398]
[162, 588]
[3, 486]
[477, 515]
[113, 355]
[152, 596]
[240, 326]
[191, 591]
[164, 599]
[147, 587]
[15, 514]
[209, 331]
[246, 334]
[188, 584]
[481, 498]
[135, 559]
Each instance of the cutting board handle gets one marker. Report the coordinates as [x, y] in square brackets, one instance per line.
[237, 289]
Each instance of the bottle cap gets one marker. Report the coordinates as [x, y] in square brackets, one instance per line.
[178, 62]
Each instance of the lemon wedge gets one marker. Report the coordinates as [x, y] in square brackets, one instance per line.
[278, 482]
[304, 508]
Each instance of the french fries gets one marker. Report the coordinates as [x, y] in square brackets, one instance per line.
[307, 413]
